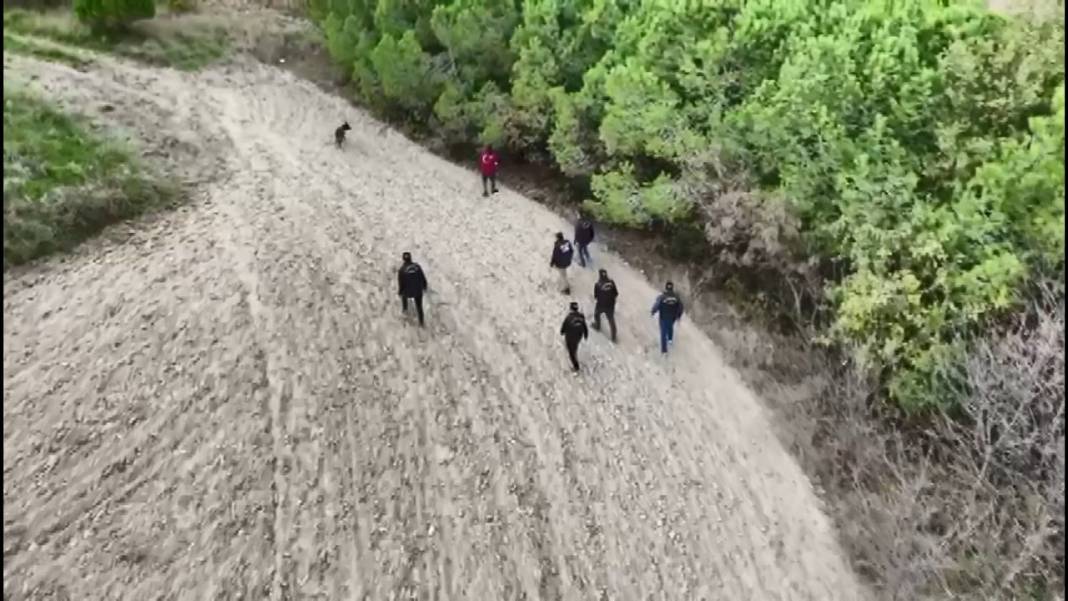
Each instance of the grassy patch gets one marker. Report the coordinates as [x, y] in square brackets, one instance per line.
[188, 51]
[62, 184]
[33, 47]
[186, 46]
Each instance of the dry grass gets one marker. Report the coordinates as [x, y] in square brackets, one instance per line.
[1041, 9]
[181, 43]
[964, 506]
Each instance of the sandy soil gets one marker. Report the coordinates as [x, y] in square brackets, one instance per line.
[229, 405]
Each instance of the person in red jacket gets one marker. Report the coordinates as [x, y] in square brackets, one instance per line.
[488, 163]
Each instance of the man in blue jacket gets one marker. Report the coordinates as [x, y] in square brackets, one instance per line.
[583, 238]
[669, 306]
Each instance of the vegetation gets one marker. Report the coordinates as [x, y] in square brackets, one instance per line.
[893, 171]
[62, 184]
[187, 47]
[42, 50]
[890, 130]
[112, 15]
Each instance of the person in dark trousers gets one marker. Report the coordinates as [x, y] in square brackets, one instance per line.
[574, 331]
[411, 284]
[605, 294]
[669, 306]
[583, 238]
[563, 251]
[488, 163]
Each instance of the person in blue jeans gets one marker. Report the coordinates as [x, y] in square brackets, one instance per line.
[583, 238]
[669, 306]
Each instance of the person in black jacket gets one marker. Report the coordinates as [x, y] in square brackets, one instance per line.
[605, 294]
[563, 251]
[411, 284]
[574, 331]
[670, 308]
[583, 238]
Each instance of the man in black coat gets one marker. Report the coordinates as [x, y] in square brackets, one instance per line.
[411, 284]
[574, 331]
[605, 294]
[669, 306]
[563, 251]
[583, 238]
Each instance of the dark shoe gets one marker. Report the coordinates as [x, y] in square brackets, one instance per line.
[567, 291]
[485, 194]
[495, 190]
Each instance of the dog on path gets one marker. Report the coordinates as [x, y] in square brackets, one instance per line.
[339, 134]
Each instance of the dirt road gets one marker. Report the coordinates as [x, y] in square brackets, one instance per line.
[228, 405]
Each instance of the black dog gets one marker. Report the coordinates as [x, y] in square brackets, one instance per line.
[339, 134]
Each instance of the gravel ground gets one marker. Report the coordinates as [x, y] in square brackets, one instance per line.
[228, 404]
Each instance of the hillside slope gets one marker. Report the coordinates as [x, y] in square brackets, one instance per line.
[229, 405]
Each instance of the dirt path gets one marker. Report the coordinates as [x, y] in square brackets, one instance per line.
[229, 406]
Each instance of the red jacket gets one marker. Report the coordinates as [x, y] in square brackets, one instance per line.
[488, 162]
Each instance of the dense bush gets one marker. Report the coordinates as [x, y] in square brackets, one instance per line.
[918, 145]
[113, 14]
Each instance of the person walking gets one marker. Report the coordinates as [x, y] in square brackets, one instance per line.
[669, 306]
[563, 252]
[411, 284]
[605, 294]
[574, 331]
[583, 238]
[488, 163]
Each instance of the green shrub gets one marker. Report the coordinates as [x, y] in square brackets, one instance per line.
[405, 73]
[113, 14]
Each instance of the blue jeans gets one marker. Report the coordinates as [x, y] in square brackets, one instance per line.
[584, 254]
[667, 333]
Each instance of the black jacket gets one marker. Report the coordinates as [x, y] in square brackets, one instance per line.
[574, 326]
[562, 253]
[584, 232]
[605, 292]
[669, 305]
[411, 282]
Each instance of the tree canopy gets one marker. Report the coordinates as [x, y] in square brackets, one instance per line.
[919, 143]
